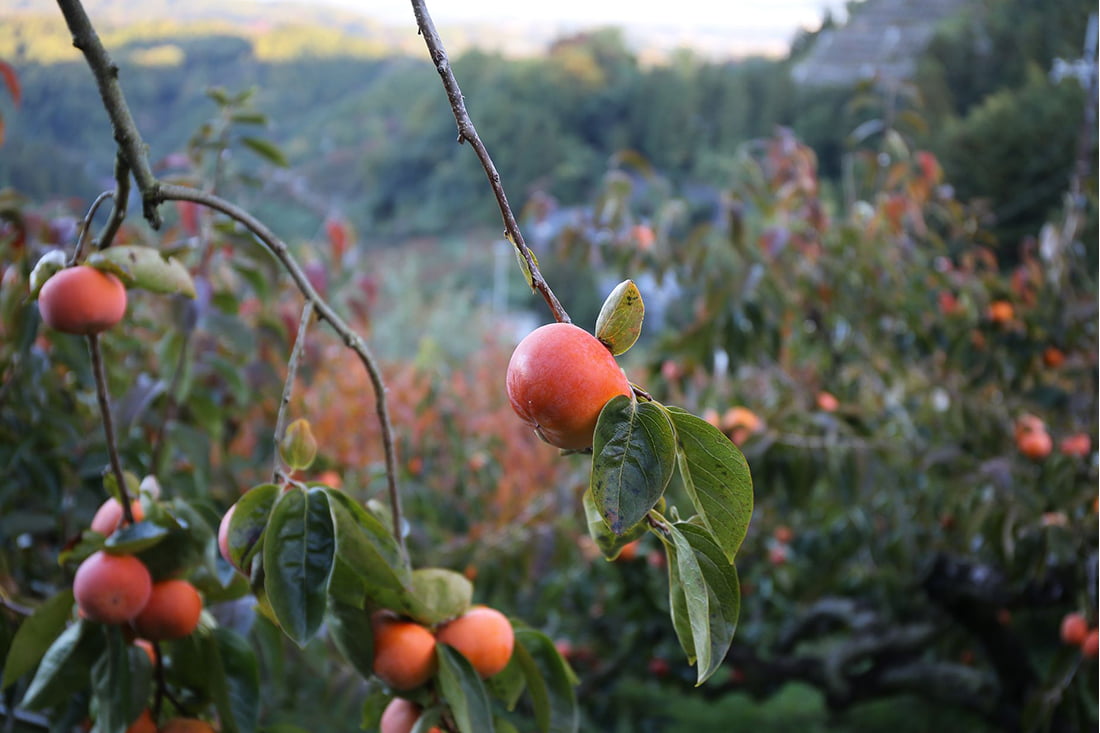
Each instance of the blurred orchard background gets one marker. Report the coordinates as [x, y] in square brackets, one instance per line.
[869, 255]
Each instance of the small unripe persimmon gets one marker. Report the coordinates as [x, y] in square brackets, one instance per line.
[172, 612]
[109, 515]
[82, 300]
[400, 716]
[484, 636]
[187, 725]
[1074, 629]
[559, 379]
[404, 652]
[111, 589]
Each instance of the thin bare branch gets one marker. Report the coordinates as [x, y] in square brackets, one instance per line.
[468, 133]
[279, 249]
[121, 199]
[109, 425]
[288, 386]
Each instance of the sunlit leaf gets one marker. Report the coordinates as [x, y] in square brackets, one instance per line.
[146, 268]
[620, 321]
[439, 594]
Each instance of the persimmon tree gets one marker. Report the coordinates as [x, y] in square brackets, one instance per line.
[134, 644]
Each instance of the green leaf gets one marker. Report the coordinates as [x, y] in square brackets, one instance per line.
[464, 692]
[550, 681]
[508, 684]
[429, 718]
[350, 629]
[527, 275]
[35, 635]
[249, 523]
[703, 586]
[298, 446]
[47, 266]
[634, 451]
[237, 693]
[65, 666]
[299, 549]
[610, 544]
[134, 538]
[266, 150]
[439, 595]
[620, 321]
[145, 267]
[122, 679]
[184, 547]
[370, 558]
[716, 477]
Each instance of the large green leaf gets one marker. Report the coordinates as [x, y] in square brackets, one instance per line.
[145, 267]
[550, 681]
[439, 594]
[122, 679]
[134, 538]
[186, 543]
[716, 477]
[65, 666]
[350, 629]
[298, 554]
[370, 558]
[236, 686]
[609, 543]
[464, 692]
[35, 635]
[704, 595]
[620, 321]
[634, 451]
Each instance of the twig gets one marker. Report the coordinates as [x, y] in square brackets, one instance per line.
[82, 235]
[279, 249]
[121, 200]
[288, 386]
[109, 426]
[129, 141]
[468, 133]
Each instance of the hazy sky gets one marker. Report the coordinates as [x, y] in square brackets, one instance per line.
[734, 14]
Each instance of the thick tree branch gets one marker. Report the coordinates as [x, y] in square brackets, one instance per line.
[468, 133]
[279, 249]
[130, 144]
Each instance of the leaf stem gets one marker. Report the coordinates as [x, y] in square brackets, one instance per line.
[468, 133]
[288, 386]
[104, 398]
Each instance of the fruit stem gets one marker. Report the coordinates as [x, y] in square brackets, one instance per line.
[288, 388]
[104, 398]
[468, 133]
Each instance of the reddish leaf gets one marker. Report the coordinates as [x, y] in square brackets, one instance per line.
[7, 71]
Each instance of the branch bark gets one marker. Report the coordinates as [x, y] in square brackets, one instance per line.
[130, 144]
[468, 133]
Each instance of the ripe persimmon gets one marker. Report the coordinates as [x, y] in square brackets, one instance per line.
[109, 515]
[404, 652]
[143, 724]
[400, 716]
[484, 636]
[82, 300]
[1001, 311]
[1091, 644]
[172, 611]
[1035, 444]
[559, 379]
[1078, 445]
[187, 725]
[1074, 629]
[111, 589]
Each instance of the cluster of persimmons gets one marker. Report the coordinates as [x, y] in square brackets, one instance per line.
[118, 589]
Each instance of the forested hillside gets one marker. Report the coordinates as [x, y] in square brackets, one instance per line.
[361, 122]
